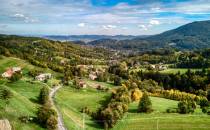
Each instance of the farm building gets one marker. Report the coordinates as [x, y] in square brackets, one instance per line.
[5, 125]
[93, 75]
[9, 72]
[43, 77]
[82, 84]
[157, 67]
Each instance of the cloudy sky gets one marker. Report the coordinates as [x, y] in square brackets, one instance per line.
[110, 17]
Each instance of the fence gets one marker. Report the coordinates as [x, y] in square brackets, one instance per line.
[191, 122]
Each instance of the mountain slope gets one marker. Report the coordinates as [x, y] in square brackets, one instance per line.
[190, 36]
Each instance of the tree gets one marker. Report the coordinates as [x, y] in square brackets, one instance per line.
[183, 107]
[145, 105]
[46, 117]
[136, 95]
[117, 81]
[52, 123]
[15, 77]
[208, 94]
[44, 95]
[5, 93]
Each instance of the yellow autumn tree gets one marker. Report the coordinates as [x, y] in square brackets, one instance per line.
[136, 94]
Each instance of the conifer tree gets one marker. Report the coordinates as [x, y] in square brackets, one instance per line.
[145, 105]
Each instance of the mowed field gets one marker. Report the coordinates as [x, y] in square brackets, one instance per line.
[24, 100]
[160, 120]
[71, 101]
[176, 70]
[170, 70]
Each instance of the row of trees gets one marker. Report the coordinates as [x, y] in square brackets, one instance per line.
[190, 81]
[117, 105]
[180, 96]
[46, 115]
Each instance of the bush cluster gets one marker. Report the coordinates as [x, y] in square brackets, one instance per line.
[115, 109]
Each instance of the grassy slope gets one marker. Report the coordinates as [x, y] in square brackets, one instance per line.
[23, 101]
[71, 101]
[21, 104]
[176, 70]
[169, 70]
[96, 83]
[162, 120]
[7, 62]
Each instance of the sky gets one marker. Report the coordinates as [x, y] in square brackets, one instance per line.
[107, 17]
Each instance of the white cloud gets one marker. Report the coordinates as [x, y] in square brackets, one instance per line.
[107, 27]
[24, 18]
[143, 27]
[81, 25]
[19, 15]
[154, 22]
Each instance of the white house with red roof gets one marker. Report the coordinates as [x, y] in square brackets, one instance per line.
[9, 72]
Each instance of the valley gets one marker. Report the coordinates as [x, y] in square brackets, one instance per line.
[62, 85]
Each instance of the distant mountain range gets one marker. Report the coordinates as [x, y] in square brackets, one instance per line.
[88, 38]
[190, 36]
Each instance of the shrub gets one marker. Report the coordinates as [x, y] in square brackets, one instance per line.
[44, 116]
[185, 107]
[145, 105]
[5, 93]
[51, 123]
[204, 103]
[208, 94]
[116, 106]
[26, 119]
[34, 73]
[171, 110]
[205, 109]
[117, 80]
[15, 77]
[44, 95]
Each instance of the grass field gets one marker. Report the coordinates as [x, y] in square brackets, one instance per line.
[23, 102]
[71, 101]
[176, 70]
[169, 70]
[7, 62]
[94, 83]
[160, 120]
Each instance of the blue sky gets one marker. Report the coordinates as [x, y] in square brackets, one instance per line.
[110, 17]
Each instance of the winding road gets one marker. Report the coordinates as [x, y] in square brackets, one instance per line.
[60, 119]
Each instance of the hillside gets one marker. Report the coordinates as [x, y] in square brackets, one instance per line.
[190, 36]
[52, 54]
[194, 35]
[88, 38]
[23, 102]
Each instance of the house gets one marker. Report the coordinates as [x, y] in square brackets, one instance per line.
[5, 125]
[11, 71]
[151, 67]
[157, 67]
[82, 84]
[43, 76]
[92, 76]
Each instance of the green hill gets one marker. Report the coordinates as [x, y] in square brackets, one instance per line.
[194, 35]
[24, 96]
